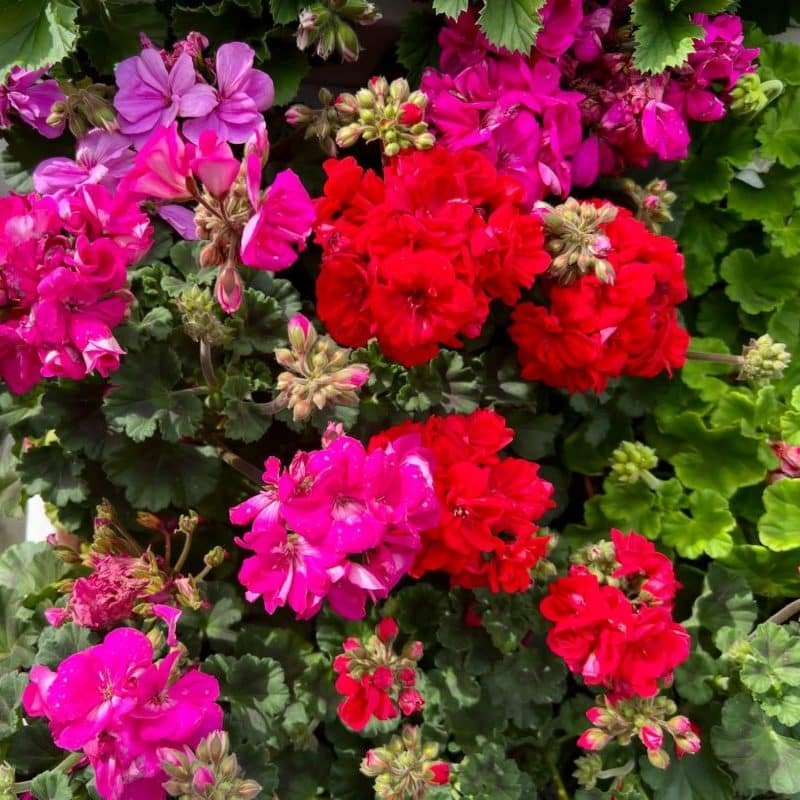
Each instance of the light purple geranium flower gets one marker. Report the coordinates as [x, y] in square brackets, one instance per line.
[31, 100]
[149, 96]
[243, 94]
[100, 157]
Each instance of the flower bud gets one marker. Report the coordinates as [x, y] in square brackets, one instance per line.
[658, 758]
[302, 334]
[410, 701]
[347, 42]
[229, 288]
[594, 739]
[764, 360]
[750, 96]
[387, 630]
[631, 461]
[399, 91]
[298, 116]
[652, 737]
[215, 557]
[349, 134]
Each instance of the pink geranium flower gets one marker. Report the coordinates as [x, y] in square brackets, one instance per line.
[150, 96]
[31, 99]
[100, 157]
[242, 95]
[162, 167]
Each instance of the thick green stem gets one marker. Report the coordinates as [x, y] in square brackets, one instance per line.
[719, 358]
[558, 783]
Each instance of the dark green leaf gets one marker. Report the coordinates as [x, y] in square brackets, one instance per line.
[11, 686]
[53, 473]
[698, 777]
[418, 46]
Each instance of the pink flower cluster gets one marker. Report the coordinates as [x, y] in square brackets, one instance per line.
[62, 282]
[575, 107]
[263, 228]
[337, 523]
[117, 706]
[227, 97]
[23, 93]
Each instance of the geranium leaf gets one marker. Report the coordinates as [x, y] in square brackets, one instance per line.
[512, 24]
[779, 528]
[452, 8]
[708, 531]
[762, 759]
[697, 778]
[759, 283]
[418, 46]
[53, 785]
[773, 659]
[53, 473]
[36, 33]
[726, 601]
[11, 686]
[663, 38]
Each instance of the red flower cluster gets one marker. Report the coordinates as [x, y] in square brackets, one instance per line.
[616, 630]
[487, 534]
[415, 258]
[375, 680]
[591, 331]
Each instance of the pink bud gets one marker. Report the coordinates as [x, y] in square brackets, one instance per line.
[341, 664]
[440, 772]
[658, 758]
[202, 779]
[228, 289]
[358, 375]
[410, 701]
[593, 739]
[387, 629]
[413, 650]
[300, 331]
[652, 736]
[678, 725]
[408, 676]
[382, 678]
[214, 164]
[410, 114]
[351, 643]
[56, 616]
[687, 744]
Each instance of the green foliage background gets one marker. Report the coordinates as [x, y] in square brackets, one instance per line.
[503, 709]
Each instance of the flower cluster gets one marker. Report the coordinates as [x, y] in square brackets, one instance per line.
[318, 374]
[207, 772]
[242, 223]
[375, 681]
[576, 108]
[32, 99]
[227, 97]
[613, 617]
[610, 300]
[405, 768]
[62, 282]
[337, 523]
[647, 718]
[489, 504]
[120, 708]
[415, 258]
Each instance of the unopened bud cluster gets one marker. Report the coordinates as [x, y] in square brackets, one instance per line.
[632, 462]
[649, 719]
[386, 112]
[199, 313]
[318, 373]
[575, 238]
[321, 123]
[85, 106]
[7, 778]
[653, 202]
[764, 360]
[328, 26]
[406, 768]
[751, 95]
[600, 559]
[210, 772]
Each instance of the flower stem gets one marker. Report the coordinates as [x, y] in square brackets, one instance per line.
[207, 365]
[241, 465]
[65, 766]
[719, 358]
[786, 613]
[561, 789]
[187, 546]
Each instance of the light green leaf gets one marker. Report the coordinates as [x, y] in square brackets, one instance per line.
[762, 759]
[30, 567]
[36, 33]
[779, 133]
[56, 644]
[773, 660]
[663, 38]
[708, 531]
[451, 8]
[285, 12]
[512, 24]
[779, 528]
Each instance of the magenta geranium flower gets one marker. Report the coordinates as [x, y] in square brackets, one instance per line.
[242, 95]
[150, 96]
[100, 157]
[32, 100]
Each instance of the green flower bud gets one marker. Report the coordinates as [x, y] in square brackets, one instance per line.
[750, 96]
[631, 461]
[587, 770]
[764, 360]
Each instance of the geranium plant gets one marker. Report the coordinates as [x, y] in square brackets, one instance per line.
[424, 434]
